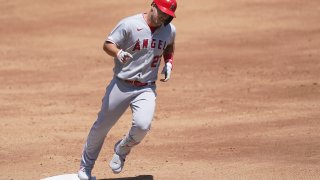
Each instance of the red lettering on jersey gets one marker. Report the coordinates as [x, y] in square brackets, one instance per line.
[164, 45]
[145, 43]
[160, 44]
[153, 43]
[136, 46]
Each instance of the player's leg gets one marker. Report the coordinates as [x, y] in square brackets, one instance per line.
[114, 104]
[143, 107]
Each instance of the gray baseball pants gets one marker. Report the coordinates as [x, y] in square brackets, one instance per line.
[118, 97]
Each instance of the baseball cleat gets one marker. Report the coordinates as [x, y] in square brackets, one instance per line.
[116, 164]
[84, 174]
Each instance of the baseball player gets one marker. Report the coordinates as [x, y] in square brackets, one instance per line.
[137, 44]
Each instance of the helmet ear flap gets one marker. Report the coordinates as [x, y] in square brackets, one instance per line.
[168, 21]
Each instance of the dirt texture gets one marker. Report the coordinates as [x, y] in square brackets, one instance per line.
[243, 101]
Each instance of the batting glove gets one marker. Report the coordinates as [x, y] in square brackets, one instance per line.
[166, 71]
[124, 56]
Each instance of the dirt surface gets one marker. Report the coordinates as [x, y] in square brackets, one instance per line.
[243, 101]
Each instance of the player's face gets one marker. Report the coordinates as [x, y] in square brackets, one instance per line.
[158, 17]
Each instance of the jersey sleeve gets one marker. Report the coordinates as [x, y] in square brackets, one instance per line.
[173, 33]
[119, 34]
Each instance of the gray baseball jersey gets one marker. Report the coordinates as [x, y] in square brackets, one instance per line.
[134, 36]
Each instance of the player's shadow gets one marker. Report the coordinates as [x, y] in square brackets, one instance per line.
[141, 177]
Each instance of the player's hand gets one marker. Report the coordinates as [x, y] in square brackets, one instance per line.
[166, 71]
[124, 56]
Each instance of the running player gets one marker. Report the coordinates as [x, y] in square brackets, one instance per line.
[137, 44]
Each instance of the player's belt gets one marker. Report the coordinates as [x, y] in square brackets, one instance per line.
[138, 83]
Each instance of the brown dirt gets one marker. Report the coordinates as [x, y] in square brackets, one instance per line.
[243, 101]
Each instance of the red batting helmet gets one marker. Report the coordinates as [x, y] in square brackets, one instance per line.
[167, 6]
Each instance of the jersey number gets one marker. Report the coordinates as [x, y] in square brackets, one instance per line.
[155, 61]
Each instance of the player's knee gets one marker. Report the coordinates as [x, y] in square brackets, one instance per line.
[142, 123]
[143, 127]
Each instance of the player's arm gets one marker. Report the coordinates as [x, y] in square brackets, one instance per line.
[168, 53]
[168, 59]
[112, 50]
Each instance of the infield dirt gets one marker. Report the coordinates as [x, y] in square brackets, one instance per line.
[243, 101]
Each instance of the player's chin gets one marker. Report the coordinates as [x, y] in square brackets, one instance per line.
[159, 23]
